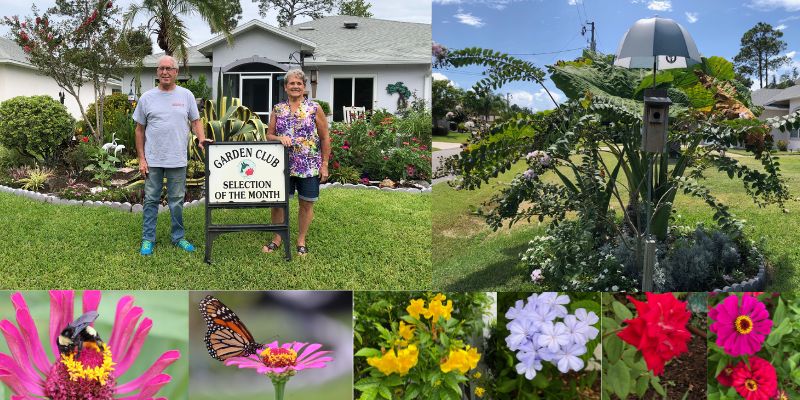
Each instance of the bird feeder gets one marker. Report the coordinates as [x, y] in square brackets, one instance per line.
[656, 120]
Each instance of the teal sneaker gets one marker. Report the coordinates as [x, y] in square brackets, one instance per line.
[184, 244]
[147, 248]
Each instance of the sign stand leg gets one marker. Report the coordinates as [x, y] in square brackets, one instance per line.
[287, 248]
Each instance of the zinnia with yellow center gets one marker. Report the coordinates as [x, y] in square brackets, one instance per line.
[740, 329]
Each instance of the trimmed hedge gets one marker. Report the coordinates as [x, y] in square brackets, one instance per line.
[35, 126]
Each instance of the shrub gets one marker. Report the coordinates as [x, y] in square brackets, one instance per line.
[117, 120]
[345, 174]
[326, 108]
[10, 158]
[35, 126]
[78, 157]
[199, 87]
[782, 145]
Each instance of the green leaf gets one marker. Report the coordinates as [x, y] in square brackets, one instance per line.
[778, 333]
[609, 323]
[641, 385]
[507, 385]
[719, 68]
[368, 352]
[656, 383]
[385, 392]
[619, 379]
[412, 392]
[613, 347]
[621, 311]
[780, 312]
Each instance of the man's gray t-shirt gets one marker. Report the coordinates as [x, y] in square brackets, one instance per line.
[166, 116]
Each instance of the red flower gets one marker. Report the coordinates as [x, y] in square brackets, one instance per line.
[758, 382]
[249, 172]
[410, 170]
[27, 49]
[335, 165]
[405, 143]
[85, 139]
[725, 378]
[364, 180]
[659, 331]
[346, 146]
[423, 147]
[109, 5]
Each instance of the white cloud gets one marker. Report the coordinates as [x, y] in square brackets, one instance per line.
[789, 18]
[660, 5]
[535, 101]
[469, 19]
[447, 2]
[691, 17]
[791, 54]
[574, 2]
[780, 27]
[765, 5]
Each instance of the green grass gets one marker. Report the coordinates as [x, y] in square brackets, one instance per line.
[453, 137]
[359, 239]
[469, 256]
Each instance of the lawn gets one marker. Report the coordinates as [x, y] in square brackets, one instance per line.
[359, 240]
[453, 137]
[470, 256]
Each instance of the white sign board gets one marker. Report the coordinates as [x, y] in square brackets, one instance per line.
[246, 173]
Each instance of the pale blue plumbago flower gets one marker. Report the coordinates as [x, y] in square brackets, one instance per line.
[537, 336]
[568, 357]
[529, 364]
[554, 336]
[529, 174]
[521, 332]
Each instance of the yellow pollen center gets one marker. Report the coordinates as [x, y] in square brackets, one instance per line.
[278, 358]
[77, 370]
[751, 385]
[744, 324]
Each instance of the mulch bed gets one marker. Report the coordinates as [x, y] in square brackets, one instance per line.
[685, 375]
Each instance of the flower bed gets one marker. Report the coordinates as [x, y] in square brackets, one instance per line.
[382, 147]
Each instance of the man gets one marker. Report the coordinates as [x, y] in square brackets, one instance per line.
[163, 117]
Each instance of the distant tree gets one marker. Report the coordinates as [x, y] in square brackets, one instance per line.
[356, 8]
[787, 79]
[289, 10]
[445, 98]
[759, 51]
[232, 12]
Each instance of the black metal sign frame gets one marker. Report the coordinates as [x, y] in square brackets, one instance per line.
[214, 230]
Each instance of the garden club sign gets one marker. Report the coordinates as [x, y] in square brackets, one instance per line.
[246, 175]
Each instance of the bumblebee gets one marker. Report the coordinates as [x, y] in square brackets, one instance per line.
[78, 333]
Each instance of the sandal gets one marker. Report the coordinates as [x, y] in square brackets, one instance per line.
[302, 250]
[272, 246]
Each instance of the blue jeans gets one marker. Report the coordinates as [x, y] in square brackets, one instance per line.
[176, 190]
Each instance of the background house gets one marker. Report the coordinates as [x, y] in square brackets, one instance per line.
[349, 61]
[779, 102]
[19, 78]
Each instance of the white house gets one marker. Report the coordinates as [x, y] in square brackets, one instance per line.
[779, 102]
[18, 77]
[349, 61]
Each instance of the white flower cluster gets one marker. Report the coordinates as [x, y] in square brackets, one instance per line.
[537, 336]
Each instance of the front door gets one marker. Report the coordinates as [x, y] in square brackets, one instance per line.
[256, 94]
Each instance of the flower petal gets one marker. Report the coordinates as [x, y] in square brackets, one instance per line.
[153, 386]
[13, 376]
[157, 368]
[128, 356]
[91, 299]
[61, 314]
[19, 352]
[124, 306]
[31, 336]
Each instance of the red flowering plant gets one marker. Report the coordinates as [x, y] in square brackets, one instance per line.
[643, 335]
[382, 146]
[753, 346]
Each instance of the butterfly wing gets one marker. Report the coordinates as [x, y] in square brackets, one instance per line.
[226, 335]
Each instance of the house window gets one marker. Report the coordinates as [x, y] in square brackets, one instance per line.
[795, 134]
[352, 92]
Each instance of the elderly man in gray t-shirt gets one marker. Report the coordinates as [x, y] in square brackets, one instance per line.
[163, 117]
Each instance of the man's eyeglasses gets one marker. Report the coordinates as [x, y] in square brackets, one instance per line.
[166, 69]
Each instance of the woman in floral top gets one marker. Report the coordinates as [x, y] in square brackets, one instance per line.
[301, 126]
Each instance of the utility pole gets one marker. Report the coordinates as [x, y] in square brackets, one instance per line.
[592, 43]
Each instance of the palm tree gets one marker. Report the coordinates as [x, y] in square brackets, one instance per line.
[165, 20]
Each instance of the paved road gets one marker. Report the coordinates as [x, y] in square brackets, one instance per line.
[446, 150]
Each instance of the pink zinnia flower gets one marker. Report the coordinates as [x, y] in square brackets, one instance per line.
[92, 374]
[740, 329]
[281, 362]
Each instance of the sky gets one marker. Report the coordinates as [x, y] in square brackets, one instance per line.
[528, 28]
[405, 10]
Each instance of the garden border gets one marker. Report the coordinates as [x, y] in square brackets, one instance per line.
[128, 207]
[749, 285]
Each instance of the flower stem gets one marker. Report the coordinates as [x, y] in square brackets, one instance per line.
[279, 388]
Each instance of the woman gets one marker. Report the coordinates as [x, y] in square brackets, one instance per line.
[301, 126]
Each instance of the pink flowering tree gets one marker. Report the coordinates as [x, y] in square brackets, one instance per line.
[753, 346]
[74, 42]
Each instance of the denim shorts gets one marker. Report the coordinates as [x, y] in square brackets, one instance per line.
[307, 188]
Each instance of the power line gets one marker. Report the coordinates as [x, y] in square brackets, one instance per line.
[543, 53]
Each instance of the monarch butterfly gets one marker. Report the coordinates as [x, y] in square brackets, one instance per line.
[226, 336]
